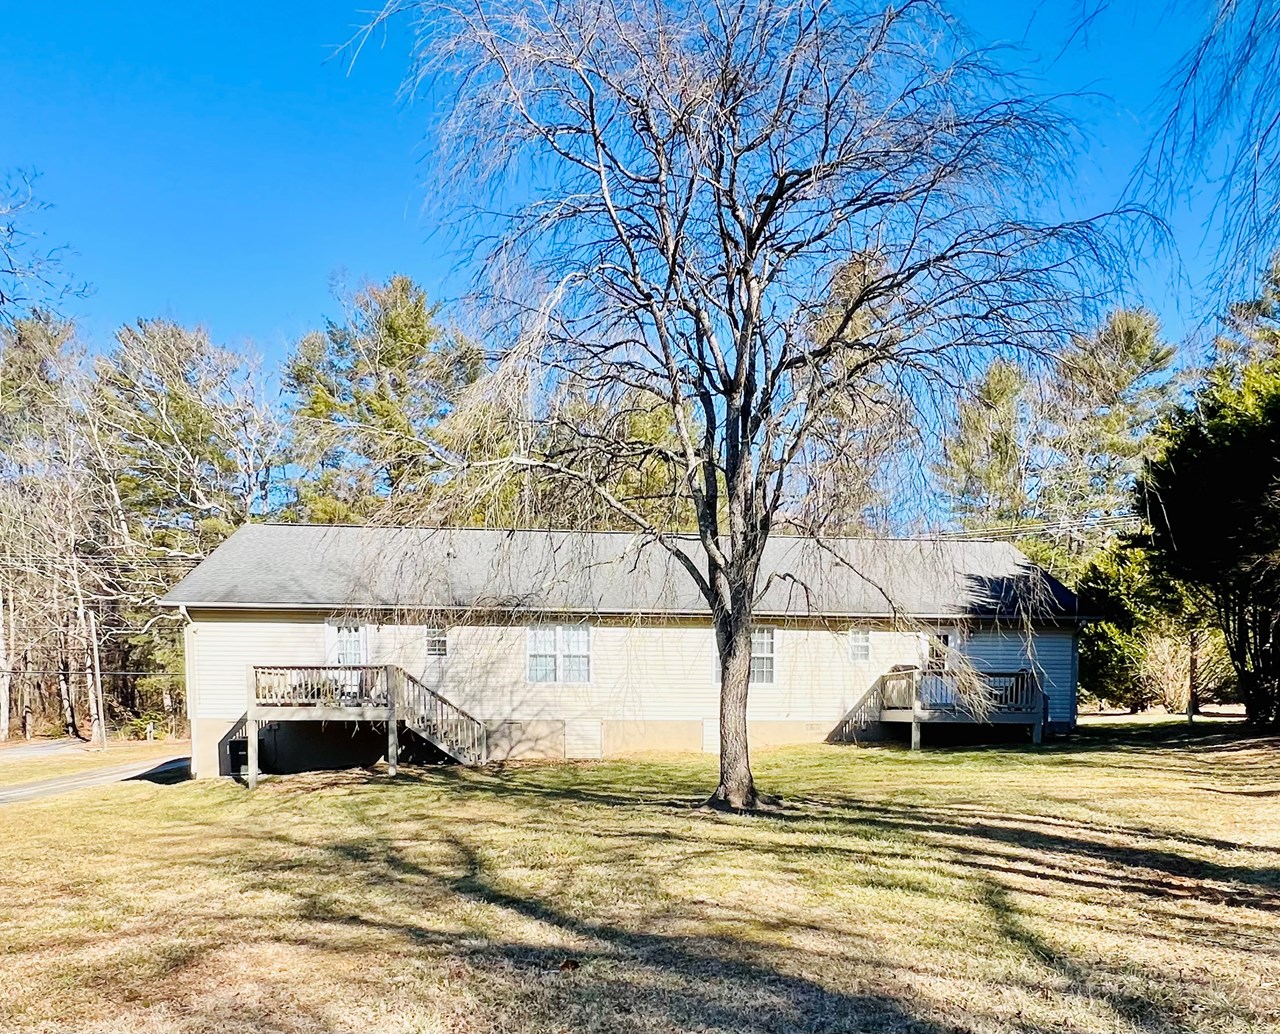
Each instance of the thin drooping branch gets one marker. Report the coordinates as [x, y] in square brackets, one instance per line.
[767, 226]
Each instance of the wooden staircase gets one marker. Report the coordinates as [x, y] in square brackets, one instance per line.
[440, 721]
[382, 693]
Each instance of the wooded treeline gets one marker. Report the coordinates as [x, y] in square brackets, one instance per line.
[121, 467]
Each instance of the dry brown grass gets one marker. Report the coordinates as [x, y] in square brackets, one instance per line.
[1129, 881]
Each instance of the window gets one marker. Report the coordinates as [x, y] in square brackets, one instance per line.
[559, 653]
[939, 647]
[348, 645]
[859, 644]
[761, 655]
[437, 642]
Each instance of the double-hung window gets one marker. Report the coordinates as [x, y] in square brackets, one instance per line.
[762, 643]
[859, 644]
[559, 653]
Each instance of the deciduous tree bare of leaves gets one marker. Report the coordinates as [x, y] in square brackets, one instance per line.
[666, 196]
[115, 476]
[23, 266]
[1221, 127]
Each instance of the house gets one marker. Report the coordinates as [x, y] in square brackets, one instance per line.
[323, 645]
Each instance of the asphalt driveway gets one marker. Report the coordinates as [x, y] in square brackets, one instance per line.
[164, 770]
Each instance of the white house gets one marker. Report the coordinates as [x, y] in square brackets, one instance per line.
[322, 645]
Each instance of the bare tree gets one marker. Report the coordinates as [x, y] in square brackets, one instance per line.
[1222, 127]
[30, 270]
[669, 197]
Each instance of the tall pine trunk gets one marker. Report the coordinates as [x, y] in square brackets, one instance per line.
[66, 694]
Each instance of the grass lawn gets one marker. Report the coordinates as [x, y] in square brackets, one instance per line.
[1126, 881]
[80, 760]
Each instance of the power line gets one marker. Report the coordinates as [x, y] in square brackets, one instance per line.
[88, 671]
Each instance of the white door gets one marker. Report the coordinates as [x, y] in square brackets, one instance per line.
[347, 646]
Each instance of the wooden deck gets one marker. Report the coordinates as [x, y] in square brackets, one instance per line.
[920, 697]
[360, 693]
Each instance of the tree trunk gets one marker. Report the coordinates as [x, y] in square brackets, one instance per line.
[1193, 675]
[6, 673]
[736, 790]
[65, 698]
[24, 696]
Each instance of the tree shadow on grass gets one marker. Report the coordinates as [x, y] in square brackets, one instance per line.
[1149, 1002]
[478, 900]
[589, 974]
[1135, 858]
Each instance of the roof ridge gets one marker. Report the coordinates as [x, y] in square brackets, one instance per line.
[690, 535]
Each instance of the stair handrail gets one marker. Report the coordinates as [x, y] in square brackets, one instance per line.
[413, 690]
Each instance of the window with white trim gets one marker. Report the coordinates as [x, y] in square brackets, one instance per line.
[437, 642]
[762, 643]
[559, 653]
[859, 644]
[348, 645]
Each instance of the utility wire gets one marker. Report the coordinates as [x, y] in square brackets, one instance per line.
[87, 671]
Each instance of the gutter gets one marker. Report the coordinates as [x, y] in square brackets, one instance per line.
[183, 609]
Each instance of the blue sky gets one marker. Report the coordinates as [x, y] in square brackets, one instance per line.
[217, 164]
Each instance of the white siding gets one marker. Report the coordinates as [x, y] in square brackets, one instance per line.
[639, 672]
[226, 646]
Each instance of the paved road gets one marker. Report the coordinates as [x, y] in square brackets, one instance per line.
[39, 749]
[160, 769]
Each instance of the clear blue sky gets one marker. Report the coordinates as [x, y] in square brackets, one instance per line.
[217, 164]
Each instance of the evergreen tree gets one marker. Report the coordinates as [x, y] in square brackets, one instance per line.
[369, 393]
[986, 468]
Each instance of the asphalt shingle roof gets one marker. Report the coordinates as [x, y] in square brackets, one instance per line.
[272, 566]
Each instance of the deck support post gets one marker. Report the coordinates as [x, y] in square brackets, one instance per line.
[915, 732]
[251, 768]
[1037, 733]
[393, 731]
[251, 728]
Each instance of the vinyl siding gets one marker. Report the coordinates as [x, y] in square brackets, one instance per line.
[639, 671]
[1050, 652]
[227, 645]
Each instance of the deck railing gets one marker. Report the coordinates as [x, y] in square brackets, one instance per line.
[442, 721]
[1007, 692]
[323, 686]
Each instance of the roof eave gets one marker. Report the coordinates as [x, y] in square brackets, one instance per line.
[606, 612]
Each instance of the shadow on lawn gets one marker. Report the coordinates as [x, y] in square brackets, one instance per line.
[638, 977]
[1088, 983]
[476, 898]
[591, 975]
[692, 964]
